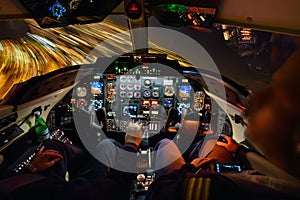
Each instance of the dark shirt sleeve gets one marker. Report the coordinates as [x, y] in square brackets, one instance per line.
[169, 186]
[185, 184]
[132, 147]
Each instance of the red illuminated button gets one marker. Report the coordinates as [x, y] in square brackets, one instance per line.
[134, 10]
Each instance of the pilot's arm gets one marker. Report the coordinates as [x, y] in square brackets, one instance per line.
[134, 134]
[44, 159]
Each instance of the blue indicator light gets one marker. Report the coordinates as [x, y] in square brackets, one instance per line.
[57, 10]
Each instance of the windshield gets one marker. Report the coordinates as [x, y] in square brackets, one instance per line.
[235, 50]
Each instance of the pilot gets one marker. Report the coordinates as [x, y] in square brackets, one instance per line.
[93, 183]
[274, 133]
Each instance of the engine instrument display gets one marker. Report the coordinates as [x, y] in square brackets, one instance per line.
[199, 100]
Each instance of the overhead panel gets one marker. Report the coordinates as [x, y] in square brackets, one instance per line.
[54, 13]
[277, 15]
[197, 17]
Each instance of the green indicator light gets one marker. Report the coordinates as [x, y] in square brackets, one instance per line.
[176, 8]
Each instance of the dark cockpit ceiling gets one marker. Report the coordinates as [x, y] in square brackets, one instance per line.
[64, 12]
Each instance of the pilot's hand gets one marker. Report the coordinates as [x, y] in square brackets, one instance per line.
[203, 163]
[134, 134]
[228, 143]
[44, 159]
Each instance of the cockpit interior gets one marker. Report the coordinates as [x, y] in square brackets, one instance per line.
[150, 90]
[86, 93]
[85, 104]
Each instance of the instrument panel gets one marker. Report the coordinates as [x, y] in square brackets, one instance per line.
[143, 94]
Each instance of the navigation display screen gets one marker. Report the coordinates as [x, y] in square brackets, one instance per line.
[97, 104]
[129, 110]
[184, 91]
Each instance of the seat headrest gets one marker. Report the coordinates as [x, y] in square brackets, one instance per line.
[191, 123]
[190, 127]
